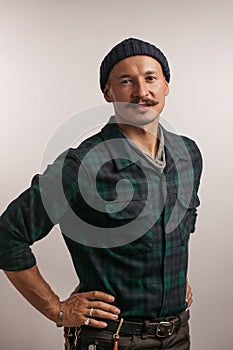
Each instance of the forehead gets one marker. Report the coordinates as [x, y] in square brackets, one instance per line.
[139, 64]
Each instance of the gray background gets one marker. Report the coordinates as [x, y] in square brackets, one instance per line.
[50, 53]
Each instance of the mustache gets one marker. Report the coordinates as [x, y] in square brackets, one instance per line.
[146, 101]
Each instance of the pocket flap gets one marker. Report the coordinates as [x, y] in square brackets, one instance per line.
[125, 210]
[188, 200]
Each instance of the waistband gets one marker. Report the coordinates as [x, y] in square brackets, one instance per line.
[161, 327]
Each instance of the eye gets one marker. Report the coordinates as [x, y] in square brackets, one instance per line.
[126, 82]
[151, 78]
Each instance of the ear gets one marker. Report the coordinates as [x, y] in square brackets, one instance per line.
[166, 91]
[107, 94]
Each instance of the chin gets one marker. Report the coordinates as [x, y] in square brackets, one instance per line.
[143, 122]
[146, 118]
[136, 117]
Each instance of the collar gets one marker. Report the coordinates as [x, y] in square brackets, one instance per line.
[122, 155]
[117, 145]
[159, 162]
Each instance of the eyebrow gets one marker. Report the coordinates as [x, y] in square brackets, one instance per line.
[151, 72]
[127, 75]
[122, 76]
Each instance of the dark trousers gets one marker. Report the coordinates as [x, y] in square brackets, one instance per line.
[95, 339]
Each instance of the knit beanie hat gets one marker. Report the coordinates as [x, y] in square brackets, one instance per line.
[127, 48]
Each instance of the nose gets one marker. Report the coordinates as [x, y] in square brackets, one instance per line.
[140, 88]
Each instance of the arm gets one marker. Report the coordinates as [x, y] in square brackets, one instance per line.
[27, 220]
[76, 308]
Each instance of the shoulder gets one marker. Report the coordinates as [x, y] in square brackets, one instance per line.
[182, 144]
[192, 148]
[79, 152]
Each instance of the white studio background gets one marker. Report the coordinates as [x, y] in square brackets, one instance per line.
[50, 52]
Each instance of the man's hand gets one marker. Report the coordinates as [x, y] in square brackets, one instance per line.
[189, 294]
[89, 305]
[76, 309]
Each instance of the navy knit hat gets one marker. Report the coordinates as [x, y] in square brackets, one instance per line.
[127, 48]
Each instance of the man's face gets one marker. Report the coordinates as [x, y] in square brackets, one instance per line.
[137, 88]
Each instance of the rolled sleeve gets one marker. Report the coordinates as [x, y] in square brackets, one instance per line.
[17, 258]
[32, 215]
[24, 222]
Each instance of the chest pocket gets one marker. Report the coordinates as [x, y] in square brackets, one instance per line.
[182, 218]
[133, 223]
[187, 215]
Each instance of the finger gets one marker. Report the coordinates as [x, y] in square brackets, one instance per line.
[189, 298]
[99, 305]
[188, 293]
[97, 313]
[95, 323]
[97, 295]
[102, 310]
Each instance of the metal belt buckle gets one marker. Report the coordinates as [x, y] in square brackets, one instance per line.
[165, 329]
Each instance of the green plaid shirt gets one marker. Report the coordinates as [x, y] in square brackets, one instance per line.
[126, 224]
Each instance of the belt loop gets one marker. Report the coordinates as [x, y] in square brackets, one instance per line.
[145, 329]
[180, 319]
[181, 316]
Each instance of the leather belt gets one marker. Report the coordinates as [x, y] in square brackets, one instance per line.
[162, 328]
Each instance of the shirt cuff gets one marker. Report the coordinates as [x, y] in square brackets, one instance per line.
[17, 258]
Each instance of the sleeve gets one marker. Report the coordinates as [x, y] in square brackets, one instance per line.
[197, 169]
[198, 166]
[32, 215]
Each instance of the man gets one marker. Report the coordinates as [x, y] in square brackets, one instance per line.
[125, 201]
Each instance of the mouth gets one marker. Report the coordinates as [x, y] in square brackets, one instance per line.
[150, 104]
[143, 105]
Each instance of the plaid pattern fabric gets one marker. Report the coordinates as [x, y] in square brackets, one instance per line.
[150, 216]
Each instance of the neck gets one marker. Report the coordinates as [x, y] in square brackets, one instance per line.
[145, 136]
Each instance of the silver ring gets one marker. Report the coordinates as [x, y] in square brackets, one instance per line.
[87, 321]
[91, 312]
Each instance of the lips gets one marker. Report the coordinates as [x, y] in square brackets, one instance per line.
[144, 102]
[139, 105]
[142, 108]
[143, 105]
